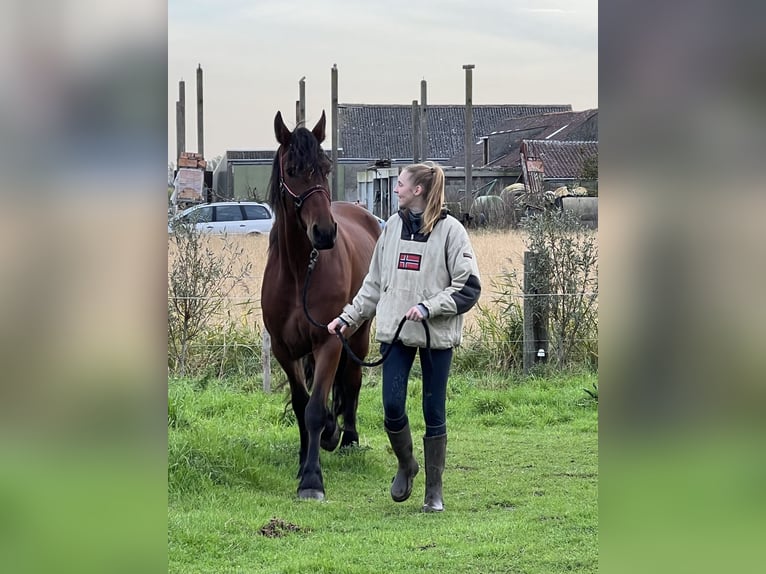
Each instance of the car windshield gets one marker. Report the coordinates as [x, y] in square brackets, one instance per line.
[201, 215]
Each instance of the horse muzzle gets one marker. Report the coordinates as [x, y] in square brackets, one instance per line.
[323, 238]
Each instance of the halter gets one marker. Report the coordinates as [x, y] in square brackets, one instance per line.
[299, 199]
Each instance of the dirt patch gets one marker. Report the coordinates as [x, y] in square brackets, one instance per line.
[277, 528]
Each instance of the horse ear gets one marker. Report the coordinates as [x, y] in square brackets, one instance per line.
[318, 130]
[280, 130]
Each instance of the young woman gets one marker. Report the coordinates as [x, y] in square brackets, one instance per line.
[423, 269]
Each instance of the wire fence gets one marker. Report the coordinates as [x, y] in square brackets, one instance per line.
[234, 346]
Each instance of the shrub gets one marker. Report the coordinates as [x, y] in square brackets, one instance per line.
[496, 342]
[199, 281]
[566, 255]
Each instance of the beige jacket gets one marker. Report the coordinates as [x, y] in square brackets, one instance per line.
[438, 270]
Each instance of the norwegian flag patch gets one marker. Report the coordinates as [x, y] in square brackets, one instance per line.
[409, 261]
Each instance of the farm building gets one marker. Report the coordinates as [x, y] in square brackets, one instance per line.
[500, 147]
[370, 133]
[549, 164]
[387, 134]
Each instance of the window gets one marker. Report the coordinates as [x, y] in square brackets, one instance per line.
[228, 213]
[256, 212]
[201, 215]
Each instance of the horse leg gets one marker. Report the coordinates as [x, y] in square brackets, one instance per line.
[299, 398]
[326, 360]
[331, 433]
[352, 384]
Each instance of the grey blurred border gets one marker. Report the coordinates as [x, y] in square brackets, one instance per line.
[683, 269]
[83, 167]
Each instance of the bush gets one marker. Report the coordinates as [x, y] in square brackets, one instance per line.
[566, 255]
[496, 344]
[199, 282]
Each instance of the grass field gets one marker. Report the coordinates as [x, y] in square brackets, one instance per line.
[520, 484]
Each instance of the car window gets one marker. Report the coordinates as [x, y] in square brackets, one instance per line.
[256, 212]
[201, 215]
[228, 213]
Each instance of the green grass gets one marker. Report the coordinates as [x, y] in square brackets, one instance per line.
[520, 486]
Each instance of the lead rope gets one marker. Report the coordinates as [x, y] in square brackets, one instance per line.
[343, 340]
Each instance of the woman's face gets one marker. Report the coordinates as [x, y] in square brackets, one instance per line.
[409, 196]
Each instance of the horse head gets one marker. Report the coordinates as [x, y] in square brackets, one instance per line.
[303, 169]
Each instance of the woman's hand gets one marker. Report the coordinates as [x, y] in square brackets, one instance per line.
[414, 314]
[334, 324]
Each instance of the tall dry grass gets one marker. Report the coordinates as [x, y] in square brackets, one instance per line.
[497, 252]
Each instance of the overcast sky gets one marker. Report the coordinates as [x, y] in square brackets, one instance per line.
[254, 53]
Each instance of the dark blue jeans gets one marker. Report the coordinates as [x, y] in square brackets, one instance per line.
[396, 374]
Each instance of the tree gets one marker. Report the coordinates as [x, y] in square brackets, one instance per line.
[589, 170]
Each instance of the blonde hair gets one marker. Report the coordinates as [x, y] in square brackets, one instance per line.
[430, 177]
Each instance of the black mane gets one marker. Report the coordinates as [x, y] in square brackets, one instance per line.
[303, 158]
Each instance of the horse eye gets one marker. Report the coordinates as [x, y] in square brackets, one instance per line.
[291, 171]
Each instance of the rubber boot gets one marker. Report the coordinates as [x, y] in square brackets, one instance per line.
[434, 450]
[401, 443]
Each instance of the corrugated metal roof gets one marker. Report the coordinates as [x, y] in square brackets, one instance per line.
[376, 131]
[506, 137]
[561, 159]
[249, 154]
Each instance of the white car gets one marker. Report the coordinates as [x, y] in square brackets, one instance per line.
[229, 217]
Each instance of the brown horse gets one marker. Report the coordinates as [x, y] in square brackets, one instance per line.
[342, 237]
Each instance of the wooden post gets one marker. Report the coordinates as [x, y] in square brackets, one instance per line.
[423, 121]
[535, 313]
[336, 195]
[200, 123]
[180, 120]
[415, 132]
[266, 359]
[468, 136]
[302, 101]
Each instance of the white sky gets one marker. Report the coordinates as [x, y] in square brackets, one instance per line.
[254, 52]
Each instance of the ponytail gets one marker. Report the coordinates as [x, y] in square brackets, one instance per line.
[430, 176]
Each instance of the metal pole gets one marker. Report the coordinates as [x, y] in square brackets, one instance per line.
[468, 136]
[334, 112]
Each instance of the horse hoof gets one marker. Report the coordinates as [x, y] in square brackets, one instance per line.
[310, 494]
[350, 438]
[330, 443]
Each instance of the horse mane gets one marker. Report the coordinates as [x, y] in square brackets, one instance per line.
[304, 157]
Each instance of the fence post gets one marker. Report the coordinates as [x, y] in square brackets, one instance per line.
[535, 313]
[266, 359]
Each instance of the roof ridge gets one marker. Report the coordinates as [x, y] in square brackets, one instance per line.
[347, 104]
[561, 141]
